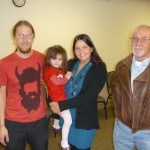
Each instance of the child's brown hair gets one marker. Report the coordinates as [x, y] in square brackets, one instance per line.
[52, 52]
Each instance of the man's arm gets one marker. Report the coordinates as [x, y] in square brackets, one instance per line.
[3, 130]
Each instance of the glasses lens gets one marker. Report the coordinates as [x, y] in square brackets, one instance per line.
[134, 39]
[142, 40]
[21, 36]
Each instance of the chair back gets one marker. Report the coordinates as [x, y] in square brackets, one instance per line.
[109, 82]
[45, 91]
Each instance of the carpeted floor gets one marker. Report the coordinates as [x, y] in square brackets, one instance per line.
[103, 139]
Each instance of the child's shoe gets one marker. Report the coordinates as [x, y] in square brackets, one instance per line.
[56, 130]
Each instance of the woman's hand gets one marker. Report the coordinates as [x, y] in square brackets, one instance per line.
[55, 107]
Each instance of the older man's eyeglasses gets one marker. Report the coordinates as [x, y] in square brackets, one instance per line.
[22, 36]
[135, 39]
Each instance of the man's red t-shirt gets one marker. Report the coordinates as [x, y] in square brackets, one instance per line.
[22, 78]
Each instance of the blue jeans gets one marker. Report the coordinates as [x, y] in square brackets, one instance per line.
[125, 140]
[35, 133]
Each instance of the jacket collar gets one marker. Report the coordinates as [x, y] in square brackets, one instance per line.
[124, 73]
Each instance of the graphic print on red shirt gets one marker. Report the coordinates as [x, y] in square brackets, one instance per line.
[27, 79]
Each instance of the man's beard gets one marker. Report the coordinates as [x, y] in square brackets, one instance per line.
[138, 51]
[24, 52]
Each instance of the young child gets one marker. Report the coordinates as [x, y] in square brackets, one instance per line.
[55, 77]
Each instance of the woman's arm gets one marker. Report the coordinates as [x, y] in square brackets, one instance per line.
[93, 84]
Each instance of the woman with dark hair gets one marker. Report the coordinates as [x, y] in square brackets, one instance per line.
[82, 89]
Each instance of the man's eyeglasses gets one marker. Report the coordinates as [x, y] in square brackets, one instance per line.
[22, 36]
[142, 40]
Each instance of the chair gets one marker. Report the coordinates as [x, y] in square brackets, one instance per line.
[109, 83]
[101, 99]
[50, 115]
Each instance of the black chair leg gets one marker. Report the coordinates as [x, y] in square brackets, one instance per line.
[51, 117]
[54, 134]
[105, 109]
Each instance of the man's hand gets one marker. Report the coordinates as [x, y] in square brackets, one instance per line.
[4, 137]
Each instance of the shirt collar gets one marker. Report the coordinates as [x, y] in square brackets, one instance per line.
[139, 64]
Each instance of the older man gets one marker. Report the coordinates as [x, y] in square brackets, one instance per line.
[131, 94]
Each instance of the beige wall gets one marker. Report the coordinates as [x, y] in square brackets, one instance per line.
[108, 23]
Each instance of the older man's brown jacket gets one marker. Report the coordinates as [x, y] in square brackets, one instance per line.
[132, 108]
